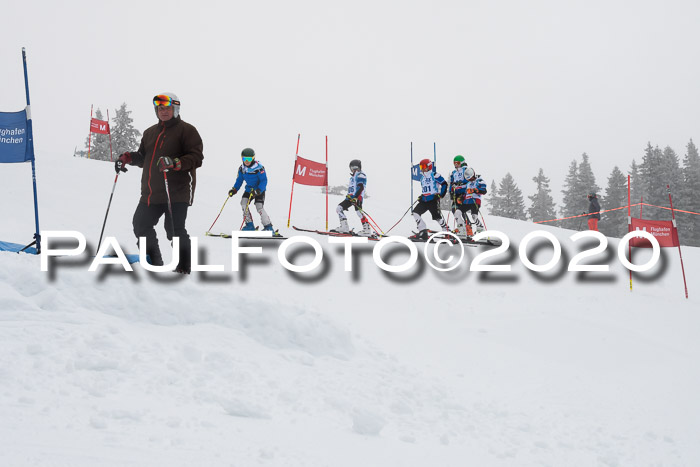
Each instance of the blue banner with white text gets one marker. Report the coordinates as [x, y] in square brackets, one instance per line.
[415, 173]
[14, 145]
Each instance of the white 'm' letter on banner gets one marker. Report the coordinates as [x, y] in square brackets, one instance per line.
[46, 251]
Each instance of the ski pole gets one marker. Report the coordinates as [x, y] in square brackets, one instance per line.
[482, 219]
[374, 223]
[247, 210]
[404, 215]
[170, 207]
[217, 217]
[107, 213]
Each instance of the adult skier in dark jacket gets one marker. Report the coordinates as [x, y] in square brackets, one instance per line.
[594, 210]
[170, 151]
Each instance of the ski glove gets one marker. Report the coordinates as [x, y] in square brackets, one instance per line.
[232, 192]
[257, 192]
[119, 164]
[165, 163]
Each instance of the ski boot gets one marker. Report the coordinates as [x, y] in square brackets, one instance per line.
[343, 228]
[422, 235]
[366, 230]
[248, 227]
[275, 233]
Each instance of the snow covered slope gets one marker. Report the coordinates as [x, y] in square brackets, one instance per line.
[331, 368]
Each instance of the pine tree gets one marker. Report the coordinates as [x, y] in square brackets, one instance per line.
[510, 200]
[100, 143]
[672, 174]
[651, 172]
[586, 179]
[575, 201]
[125, 137]
[541, 203]
[614, 223]
[494, 200]
[689, 224]
[635, 182]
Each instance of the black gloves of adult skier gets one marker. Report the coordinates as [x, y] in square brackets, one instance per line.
[120, 163]
[257, 192]
[232, 192]
[352, 199]
[165, 163]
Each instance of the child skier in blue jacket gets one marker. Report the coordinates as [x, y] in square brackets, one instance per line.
[253, 174]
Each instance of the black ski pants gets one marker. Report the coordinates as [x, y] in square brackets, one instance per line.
[431, 206]
[145, 219]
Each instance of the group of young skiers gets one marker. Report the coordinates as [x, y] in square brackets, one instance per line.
[171, 151]
[465, 189]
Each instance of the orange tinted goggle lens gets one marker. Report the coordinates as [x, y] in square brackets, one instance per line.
[165, 101]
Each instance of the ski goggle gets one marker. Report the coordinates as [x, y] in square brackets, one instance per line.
[354, 167]
[248, 159]
[165, 101]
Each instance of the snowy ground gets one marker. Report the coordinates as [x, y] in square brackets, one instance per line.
[335, 368]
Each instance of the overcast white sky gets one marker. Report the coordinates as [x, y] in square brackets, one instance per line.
[512, 85]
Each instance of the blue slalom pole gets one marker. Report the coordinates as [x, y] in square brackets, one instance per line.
[30, 143]
[434, 158]
[411, 176]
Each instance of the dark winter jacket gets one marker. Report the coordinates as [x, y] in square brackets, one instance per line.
[175, 139]
[594, 207]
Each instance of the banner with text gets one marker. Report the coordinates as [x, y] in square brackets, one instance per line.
[664, 232]
[308, 172]
[99, 126]
[13, 137]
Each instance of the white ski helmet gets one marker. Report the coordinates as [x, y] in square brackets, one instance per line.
[175, 102]
[468, 173]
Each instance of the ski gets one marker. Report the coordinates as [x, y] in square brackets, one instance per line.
[275, 236]
[468, 240]
[336, 234]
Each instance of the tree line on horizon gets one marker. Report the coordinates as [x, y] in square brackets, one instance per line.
[649, 179]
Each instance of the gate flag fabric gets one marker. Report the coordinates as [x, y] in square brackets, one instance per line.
[99, 126]
[415, 173]
[664, 232]
[308, 172]
[14, 138]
